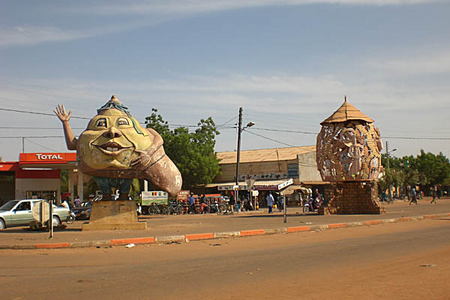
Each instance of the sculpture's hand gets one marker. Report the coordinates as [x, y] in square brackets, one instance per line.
[61, 113]
[142, 161]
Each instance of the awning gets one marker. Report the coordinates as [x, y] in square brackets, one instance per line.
[266, 185]
[272, 185]
[227, 186]
[294, 188]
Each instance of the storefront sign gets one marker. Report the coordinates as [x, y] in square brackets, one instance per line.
[292, 170]
[273, 187]
[231, 187]
[266, 176]
[46, 158]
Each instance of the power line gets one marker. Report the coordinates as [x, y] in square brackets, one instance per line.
[74, 117]
[264, 137]
[415, 138]
[19, 127]
[32, 137]
[226, 122]
[283, 130]
[193, 126]
[385, 137]
[38, 113]
[42, 146]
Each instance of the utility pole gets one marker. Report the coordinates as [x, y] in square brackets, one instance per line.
[389, 173]
[236, 192]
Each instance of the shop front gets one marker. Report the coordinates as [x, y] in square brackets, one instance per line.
[37, 175]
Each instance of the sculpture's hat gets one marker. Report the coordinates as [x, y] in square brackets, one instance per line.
[114, 103]
[114, 99]
[346, 112]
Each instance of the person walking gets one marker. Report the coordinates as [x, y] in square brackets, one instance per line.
[269, 200]
[191, 204]
[413, 196]
[434, 192]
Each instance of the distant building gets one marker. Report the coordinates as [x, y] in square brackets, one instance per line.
[284, 171]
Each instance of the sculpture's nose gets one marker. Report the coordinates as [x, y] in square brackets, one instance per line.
[112, 133]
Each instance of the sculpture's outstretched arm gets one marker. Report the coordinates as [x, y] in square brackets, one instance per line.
[71, 141]
[155, 166]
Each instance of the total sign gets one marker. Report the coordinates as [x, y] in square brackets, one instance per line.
[46, 158]
[49, 156]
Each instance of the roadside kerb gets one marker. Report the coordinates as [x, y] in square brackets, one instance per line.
[52, 246]
[170, 238]
[337, 225]
[253, 232]
[123, 242]
[298, 229]
[218, 235]
[198, 237]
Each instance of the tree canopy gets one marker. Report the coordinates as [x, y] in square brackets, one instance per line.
[192, 152]
[425, 169]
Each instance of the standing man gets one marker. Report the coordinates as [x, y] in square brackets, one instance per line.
[434, 192]
[269, 200]
[77, 202]
[191, 203]
[413, 196]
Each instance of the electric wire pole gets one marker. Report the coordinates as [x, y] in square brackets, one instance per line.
[236, 192]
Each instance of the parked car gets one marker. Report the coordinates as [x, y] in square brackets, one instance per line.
[83, 212]
[20, 213]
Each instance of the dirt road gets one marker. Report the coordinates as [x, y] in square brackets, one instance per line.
[391, 261]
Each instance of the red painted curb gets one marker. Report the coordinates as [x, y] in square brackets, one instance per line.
[373, 222]
[202, 236]
[404, 219]
[52, 246]
[337, 225]
[298, 229]
[121, 242]
[430, 216]
[253, 232]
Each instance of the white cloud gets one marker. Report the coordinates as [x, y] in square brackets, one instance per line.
[29, 35]
[186, 7]
[158, 11]
[414, 64]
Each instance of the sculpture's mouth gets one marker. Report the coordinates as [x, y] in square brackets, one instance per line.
[112, 148]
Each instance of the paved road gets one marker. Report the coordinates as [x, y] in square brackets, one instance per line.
[159, 226]
[391, 261]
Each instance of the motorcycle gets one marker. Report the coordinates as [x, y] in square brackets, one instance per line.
[71, 217]
[312, 205]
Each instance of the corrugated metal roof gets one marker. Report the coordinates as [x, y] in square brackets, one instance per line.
[345, 113]
[264, 155]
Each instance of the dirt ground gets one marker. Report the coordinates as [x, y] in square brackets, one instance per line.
[391, 261]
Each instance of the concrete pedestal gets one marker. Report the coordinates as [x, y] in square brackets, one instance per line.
[114, 215]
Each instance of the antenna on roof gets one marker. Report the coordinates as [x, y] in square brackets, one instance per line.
[345, 98]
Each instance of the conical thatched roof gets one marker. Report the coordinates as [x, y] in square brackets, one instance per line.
[346, 112]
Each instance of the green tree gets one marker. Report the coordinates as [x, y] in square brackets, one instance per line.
[192, 152]
[434, 168]
[426, 170]
[64, 181]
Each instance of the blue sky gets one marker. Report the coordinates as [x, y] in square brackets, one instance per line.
[288, 63]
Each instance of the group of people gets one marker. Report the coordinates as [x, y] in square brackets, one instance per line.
[205, 206]
[271, 201]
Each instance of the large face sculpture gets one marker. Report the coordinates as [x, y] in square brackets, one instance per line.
[115, 145]
[111, 140]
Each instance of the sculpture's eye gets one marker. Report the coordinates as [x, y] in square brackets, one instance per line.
[122, 121]
[101, 123]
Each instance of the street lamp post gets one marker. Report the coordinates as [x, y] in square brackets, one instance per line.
[388, 168]
[240, 129]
